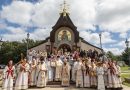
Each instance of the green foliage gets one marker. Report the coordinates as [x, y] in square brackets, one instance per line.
[12, 50]
[126, 56]
[112, 56]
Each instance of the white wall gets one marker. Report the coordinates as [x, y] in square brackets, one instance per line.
[41, 47]
[85, 46]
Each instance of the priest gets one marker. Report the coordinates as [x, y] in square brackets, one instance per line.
[65, 73]
[58, 69]
[42, 73]
[79, 73]
[22, 79]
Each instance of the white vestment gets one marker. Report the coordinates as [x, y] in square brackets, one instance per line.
[65, 75]
[112, 77]
[105, 74]
[32, 75]
[74, 72]
[49, 71]
[118, 72]
[22, 79]
[58, 70]
[9, 73]
[100, 73]
[93, 76]
[42, 75]
[79, 75]
[86, 77]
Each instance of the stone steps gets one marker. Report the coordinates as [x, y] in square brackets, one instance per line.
[58, 83]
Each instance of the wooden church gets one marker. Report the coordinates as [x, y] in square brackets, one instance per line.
[64, 35]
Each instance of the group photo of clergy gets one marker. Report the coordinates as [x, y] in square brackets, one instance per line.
[81, 69]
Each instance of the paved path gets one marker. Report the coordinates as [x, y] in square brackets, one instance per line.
[70, 88]
[57, 87]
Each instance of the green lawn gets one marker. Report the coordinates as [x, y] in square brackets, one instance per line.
[125, 75]
[125, 68]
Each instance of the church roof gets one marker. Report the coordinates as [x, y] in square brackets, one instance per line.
[64, 21]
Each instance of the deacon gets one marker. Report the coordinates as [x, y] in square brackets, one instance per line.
[9, 75]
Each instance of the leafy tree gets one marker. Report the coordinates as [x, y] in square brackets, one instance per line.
[13, 50]
[126, 56]
[114, 57]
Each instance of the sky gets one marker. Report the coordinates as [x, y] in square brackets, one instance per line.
[109, 17]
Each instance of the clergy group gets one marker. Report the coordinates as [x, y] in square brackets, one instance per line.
[84, 70]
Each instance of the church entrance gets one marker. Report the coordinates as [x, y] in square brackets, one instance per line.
[65, 48]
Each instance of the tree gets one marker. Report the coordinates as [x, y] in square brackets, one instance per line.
[12, 50]
[112, 56]
[126, 55]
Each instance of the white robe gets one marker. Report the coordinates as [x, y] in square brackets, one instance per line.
[32, 75]
[74, 72]
[37, 72]
[118, 72]
[9, 74]
[79, 75]
[100, 73]
[93, 76]
[49, 71]
[105, 74]
[112, 79]
[86, 78]
[42, 75]
[22, 79]
[65, 75]
[58, 70]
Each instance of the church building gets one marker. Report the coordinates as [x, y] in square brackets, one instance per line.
[64, 35]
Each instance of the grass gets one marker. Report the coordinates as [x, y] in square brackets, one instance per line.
[125, 75]
[125, 68]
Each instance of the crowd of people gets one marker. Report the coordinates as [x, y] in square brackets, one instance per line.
[83, 69]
